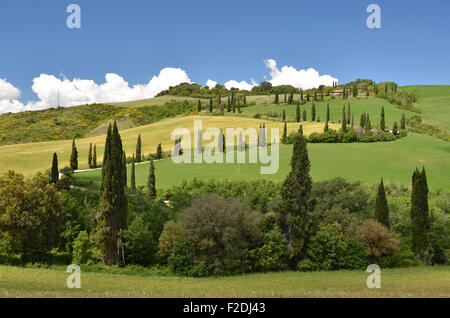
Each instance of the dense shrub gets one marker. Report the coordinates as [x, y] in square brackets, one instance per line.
[82, 249]
[140, 245]
[354, 255]
[180, 260]
[172, 232]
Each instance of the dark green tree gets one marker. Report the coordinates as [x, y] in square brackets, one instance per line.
[381, 206]
[90, 155]
[54, 170]
[94, 157]
[304, 115]
[111, 219]
[133, 174]
[159, 152]
[199, 106]
[419, 213]
[276, 98]
[395, 128]
[403, 122]
[74, 156]
[151, 182]
[328, 112]
[139, 149]
[344, 120]
[300, 130]
[284, 136]
[297, 113]
[228, 104]
[382, 120]
[284, 115]
[313, 112]
[325, 129]
[294, 217]
[348, 114]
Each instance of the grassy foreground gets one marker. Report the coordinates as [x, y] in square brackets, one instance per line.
[401, 282]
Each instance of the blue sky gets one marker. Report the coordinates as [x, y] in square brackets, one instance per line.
[224, 40]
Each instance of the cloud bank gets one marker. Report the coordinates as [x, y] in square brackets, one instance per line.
[52, 91]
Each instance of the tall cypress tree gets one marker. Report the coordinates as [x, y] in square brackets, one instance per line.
[395, 128]
[284, 136]
[90, 155]
[276, 98]
[403, 122]
[74, 156]
[362, 122]
[54, 170]
[228, 104]
[304, 115]
[139, 149]
[297, 113]
[344, 120]
[419, 213]
[199, 106]
[94, 157]
[284, 115]
[381, 206]
[313, 112]
[348, 114]
[133, 174]
[300, 130]
[382, 120]
[353, 122]
[159, 151]
[294, 217]
[151, 182]
[210, 104]
[328, 112]
[113, 202]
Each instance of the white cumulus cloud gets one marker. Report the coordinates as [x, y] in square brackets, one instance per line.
[241, 85]
[304, 79]
[51, 90]
[210, 83]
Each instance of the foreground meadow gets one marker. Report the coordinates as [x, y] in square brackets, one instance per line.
[400, 282]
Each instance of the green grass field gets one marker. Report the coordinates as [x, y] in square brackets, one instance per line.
[394, 161]
[400, 282]
[28, 158]
[434, 101]
[157, 101]
[371, 105]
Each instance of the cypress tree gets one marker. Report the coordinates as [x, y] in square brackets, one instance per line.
[328, 112]
[348, 114]
[381, 206]
[419, 213]
[239, 106]
[210, 104]
[300, 130]
[113, 202]
[301, 95]
[139, 149]
[313, 112]
[325, 129]
[276, 98]
[90, 155]
[304, 115]
[229, 104]
[353, 122]
[74, 156]
[395, 129]
[294, 217]
[151, 187]
[368, 124]
[133, 174]
[94, 157]
[199, 106]
[284, 137]
[284, 115]
[297, 114]
[344, 120]
[403, 122]
[234, 105]
[315, 95]
[362, 122]
[159, 151]
[291, 98]
[382, 120]
[285, 99]
[54, 170]
[124, 167]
